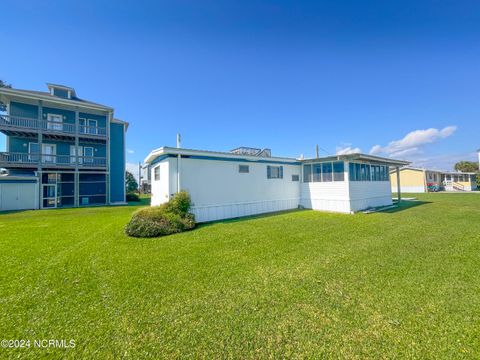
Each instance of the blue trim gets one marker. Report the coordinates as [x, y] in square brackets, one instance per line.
[160, 158]
[18, 181]
[200, 157]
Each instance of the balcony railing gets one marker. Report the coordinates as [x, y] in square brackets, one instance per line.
[10, 158]
[15, 122]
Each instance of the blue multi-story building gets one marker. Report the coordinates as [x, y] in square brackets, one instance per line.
[73, 150]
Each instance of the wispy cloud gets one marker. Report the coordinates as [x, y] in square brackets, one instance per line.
[130, 151]
[443, 161]
[347, 149]
[413, 142]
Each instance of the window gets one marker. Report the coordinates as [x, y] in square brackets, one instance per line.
[317, 172]
[54, 122]
[358, 172]
[156, 173]
[274, 172]
[307, 173]
[295, 177]
[243, 169]
[351, 171]
[338, 171]
[327, 172]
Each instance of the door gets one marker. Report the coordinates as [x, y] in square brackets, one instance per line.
[73, 154]
[55, 122]
[88, 155]
[92, 126]
[18, 196]
[48, 153]
[49, 196]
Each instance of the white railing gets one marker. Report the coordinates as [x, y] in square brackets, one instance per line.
[10, 158]
[16, 122]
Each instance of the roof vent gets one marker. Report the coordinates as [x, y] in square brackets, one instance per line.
[243, 150]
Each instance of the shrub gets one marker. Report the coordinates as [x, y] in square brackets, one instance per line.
[170, 218]
[133, 197]
[180, 204]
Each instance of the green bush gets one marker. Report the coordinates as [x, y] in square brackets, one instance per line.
[170, 218]
[180, 204]
[133, 197]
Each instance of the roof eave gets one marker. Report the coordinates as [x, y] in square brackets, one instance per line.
[20, 93]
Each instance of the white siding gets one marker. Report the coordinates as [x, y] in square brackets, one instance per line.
[328, 196]
[160, 188]
[367, 194]
[219, 191]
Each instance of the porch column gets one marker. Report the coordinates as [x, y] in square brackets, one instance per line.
[40, 135]
[76, 176]
[399, 189]
[109, 119]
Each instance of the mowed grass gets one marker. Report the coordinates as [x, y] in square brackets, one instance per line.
[292, 285]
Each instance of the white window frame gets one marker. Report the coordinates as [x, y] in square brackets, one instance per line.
[52, 156]
[92, 129]
[155, 173]
[87, 159]
[54, 125]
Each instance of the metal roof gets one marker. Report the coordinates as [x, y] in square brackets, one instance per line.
[47, 96]
[348, 157]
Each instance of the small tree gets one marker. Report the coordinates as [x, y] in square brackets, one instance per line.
[466, 166]
[130, 182]
[3, 84]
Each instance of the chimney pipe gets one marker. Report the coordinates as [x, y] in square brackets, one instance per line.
[316, 151]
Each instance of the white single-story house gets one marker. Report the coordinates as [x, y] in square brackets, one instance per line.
[249, 181]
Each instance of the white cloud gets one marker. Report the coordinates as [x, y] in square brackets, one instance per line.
[130, 151]
[444, 161]
[347, 150]
[412, 142]
[133, 168]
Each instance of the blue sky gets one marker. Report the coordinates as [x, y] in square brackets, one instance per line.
[399, 77]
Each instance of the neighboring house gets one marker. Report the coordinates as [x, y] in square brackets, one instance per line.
[243, 182]
[61, 151]
[418, 180]
[145, 179]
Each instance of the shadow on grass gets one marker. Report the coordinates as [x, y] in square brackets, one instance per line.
[251, 217]
[144, 201]
[405, 205]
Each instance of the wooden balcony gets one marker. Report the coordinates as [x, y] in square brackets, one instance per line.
[22, 124]
[26, 160]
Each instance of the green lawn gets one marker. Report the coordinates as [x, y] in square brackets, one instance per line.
[297, 284]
